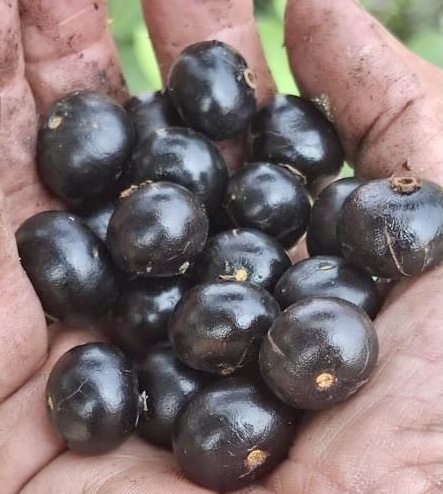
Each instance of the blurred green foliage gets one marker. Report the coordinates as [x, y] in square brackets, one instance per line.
[416, 22]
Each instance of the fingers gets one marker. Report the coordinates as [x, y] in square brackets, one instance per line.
[67, 47]
[18, 126]
[26, 438]
[385, 102]
[23, 335]
[174, 25]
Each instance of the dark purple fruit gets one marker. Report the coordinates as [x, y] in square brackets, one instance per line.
[185, 157]
[243, 254]
[68, 266]
[321, 238]
[218, 327]
[83, 146]
[157, 230]
[292, 130]
[318, 352]
[393, 227]
[213, 89]
[142, 312]
[98, 219]
[269, 198]
[166, 386]
[92, 398]
[232, 433]
[328, 276]
[150, 111]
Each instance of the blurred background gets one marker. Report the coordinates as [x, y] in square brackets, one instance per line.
[418, 23]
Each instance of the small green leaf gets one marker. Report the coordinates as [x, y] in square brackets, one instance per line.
[145, 56]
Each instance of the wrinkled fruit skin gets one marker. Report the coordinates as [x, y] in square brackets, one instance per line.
[83, 146]
[92, 398]
[328, 276]
[68, 266]
[232, 433]
[158, 230]
[213, 89]
[318, 352]
[242, 254]
[321, 237]
[269, 198]
[184, 157]
[166, 386]
[218, 327]
[292, 131]
[393, 228]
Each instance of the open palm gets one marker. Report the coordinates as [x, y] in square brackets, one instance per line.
[386, 105]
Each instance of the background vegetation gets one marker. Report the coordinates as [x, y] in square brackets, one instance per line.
[417, 23]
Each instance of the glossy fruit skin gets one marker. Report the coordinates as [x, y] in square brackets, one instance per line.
[185, 157]
[98, 219]
[293, 131]
[166, 385]
[68, 266]
[393, 227]
[92, 398]
[227, 426]
[319, 337]
[321, 237]
[218, 327]
[242, 254]
[328, 276]
[213, 89]
[150, 111]
[142, 312]
[269, 198]
[157, 230]
[83, 146]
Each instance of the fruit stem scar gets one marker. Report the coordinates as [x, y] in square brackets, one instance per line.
[255, 459]
[241, 274]
[405, 185]
[250, 78]
[55, 121]
[325, 380]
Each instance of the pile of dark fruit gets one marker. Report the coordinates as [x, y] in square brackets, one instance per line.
[217, 341]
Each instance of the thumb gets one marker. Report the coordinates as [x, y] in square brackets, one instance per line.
[385, 101]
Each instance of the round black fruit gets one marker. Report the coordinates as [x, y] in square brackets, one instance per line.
[68, 266]
[213, 89]
[158, 229]
[318, 352]
[142, 312]
[83, 146]
[393, 227]
[232, 433]
[166, 385]
[150, 111]
[270, 198]
[98, 219]
[243, 254]
[92, 398]
[328, 276]
[293, 131]
[185, 157]
[321, 238]
[218, 327]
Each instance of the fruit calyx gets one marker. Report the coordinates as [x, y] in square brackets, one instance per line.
[405, 185]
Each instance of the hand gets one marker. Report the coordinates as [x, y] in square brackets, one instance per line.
[386, 104]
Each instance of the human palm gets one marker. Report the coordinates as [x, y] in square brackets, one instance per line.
[386, 105]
